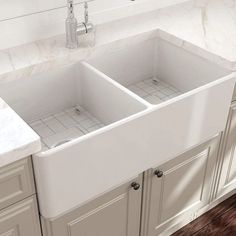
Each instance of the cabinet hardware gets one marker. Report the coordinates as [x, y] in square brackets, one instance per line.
[135, 186]
[158, 173]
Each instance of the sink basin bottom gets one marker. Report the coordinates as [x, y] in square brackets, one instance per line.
[65, 126]
[154, 91]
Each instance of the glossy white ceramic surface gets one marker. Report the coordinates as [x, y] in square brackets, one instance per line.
[197, 26]
[137, 138]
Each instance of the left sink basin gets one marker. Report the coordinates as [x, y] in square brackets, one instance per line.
[82, 117]
[69, 103]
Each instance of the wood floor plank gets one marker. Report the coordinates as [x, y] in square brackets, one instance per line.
[210, 218]
[222, 225]
[230, 230]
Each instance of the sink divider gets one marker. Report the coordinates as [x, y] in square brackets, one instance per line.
[122, 89]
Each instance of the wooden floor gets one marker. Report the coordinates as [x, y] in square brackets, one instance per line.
[220, 221]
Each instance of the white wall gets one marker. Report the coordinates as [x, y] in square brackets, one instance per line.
[23, 21]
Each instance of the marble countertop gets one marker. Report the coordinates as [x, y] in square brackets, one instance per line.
[207, 27]
[17, 139]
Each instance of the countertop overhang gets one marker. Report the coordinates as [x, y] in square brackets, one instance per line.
[17, 139]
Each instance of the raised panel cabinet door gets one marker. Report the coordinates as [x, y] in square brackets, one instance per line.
[227, 181]
[178, 188]
[20, 219]
[16, 182]
[116, 213]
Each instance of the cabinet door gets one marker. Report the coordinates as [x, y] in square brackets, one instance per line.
[20, 219]
[116, 213]
[227, 180]
[177, 189]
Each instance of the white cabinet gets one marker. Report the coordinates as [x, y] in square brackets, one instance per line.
[227, 179]
[170, 196]
[116, 213]
[176, 190]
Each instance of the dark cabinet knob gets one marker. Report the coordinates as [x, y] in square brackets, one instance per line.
[158, 173]
[135, 186]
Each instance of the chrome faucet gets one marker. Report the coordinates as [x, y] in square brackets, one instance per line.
[73, 28]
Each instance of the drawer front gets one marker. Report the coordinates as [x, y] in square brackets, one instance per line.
[16, 182]
[20, 219]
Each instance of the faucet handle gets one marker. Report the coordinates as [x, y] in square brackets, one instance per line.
[87, 24]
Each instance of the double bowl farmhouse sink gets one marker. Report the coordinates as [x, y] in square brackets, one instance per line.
[105, 120]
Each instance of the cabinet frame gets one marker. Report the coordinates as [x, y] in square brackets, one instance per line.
[227, 156]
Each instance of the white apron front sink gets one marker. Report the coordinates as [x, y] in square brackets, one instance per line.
[149, 102]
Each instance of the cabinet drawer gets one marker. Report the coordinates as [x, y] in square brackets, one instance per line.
[20, 219]
[16, 182]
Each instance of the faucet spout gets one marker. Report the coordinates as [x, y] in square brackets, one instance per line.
[73, 29]
[70, 8]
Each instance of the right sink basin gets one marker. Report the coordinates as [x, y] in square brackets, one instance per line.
[157, 70]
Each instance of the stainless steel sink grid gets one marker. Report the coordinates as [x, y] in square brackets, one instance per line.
[65, 126]
[154, 90]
